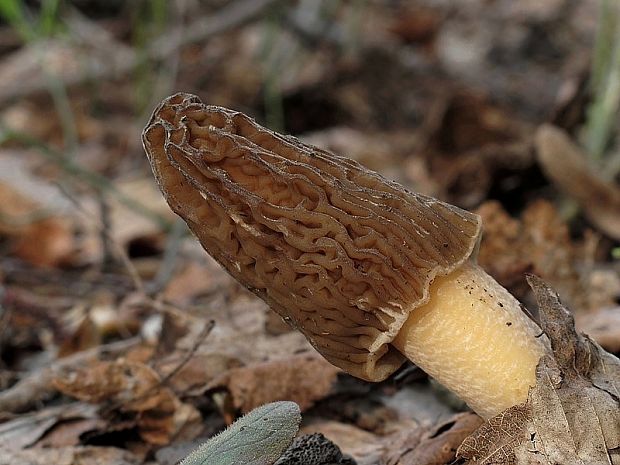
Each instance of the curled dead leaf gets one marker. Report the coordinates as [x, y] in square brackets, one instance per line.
[135, 389]
[436, 445]
[303, 379]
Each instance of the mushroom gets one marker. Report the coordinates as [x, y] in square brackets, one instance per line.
[368, 271]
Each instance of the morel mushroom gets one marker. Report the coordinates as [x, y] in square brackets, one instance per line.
[368, 271]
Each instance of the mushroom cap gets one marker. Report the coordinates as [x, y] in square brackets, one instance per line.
[338, 251]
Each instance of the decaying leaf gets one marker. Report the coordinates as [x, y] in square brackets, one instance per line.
[136, 389]
[572, 415]
[39, 236]
[194, 376]
[603, 326]
[496, 440]
[258, 438]
[302, 378]
[436, 445]
[538, 242]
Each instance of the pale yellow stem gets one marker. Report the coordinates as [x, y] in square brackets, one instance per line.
[473, 338]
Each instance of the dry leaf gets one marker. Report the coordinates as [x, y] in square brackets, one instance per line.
[539, 242]
[496, 440]
[572, 416]
[193, 280]
[69, 433]
[37, 237]
[155, 409]
[303, 379]
[85, 336]
[430, 446]
[603, 326]
[366, 448]
[194, 376]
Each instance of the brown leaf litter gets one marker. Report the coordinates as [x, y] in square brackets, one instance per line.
[539, 242]
[68, 456]
[135, 390]
[303, 379]
[435, 445]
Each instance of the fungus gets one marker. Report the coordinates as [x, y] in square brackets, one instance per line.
[368, 271]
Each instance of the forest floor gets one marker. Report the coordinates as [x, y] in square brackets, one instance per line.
[123, 342]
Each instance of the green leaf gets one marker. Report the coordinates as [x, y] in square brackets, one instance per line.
[258, 438]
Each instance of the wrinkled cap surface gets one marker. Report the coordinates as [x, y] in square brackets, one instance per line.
[341, 253]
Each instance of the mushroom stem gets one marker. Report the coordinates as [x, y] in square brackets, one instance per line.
[473, 337]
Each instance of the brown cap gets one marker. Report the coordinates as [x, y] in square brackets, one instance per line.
[338, 251]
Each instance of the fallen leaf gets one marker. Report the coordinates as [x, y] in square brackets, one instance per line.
[37, 235]
[194, 376]
[126, 224]
[68, 433]
[539, 242]
[496, 440]
[603, 326]
[366, 448]
[85, 336]
[435, 445]
[193, 280]
[303, 379]
[136, 388]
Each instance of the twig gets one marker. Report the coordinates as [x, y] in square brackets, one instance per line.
[104, 230]
[169, 260]
[107, 243]
[206, 330]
